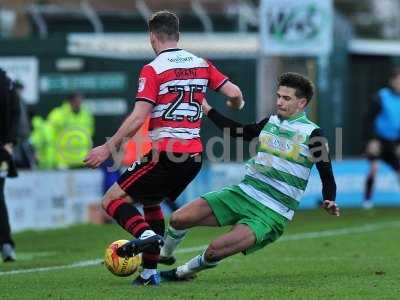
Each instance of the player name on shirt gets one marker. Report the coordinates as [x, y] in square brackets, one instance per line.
[175, 82]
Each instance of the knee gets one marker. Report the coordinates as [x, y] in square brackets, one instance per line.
[212, 254]
[177, 221]
[113, 193]
[105, 202]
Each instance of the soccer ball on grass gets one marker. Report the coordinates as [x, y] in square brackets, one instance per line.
[120, 266]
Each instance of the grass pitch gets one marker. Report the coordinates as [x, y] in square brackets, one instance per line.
[356, 256]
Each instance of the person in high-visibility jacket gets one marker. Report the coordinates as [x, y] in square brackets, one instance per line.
[43, 143]
[73, 126]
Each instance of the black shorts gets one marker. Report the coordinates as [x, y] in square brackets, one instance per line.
[159, 176]
[388, 152]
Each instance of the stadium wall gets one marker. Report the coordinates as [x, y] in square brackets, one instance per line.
[38, 200]
[110, 84]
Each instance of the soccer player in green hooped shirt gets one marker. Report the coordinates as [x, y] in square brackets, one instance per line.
[261, 206]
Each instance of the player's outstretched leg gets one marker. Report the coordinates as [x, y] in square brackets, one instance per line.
[240, 238]
[172, 239]
[195, 213]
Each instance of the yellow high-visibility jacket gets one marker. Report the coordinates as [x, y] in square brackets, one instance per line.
[72, 134]
[42, 140]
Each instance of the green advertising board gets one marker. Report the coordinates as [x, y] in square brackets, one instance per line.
[84, 82]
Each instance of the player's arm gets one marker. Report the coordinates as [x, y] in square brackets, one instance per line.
[236, 129]
[221, 83]
[128, 129]
[318, 146]
[146, 98]
[234, 94]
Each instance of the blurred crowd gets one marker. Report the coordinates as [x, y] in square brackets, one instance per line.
[59, 141]
[62, 139]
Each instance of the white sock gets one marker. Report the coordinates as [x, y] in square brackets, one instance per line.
[195, 265]
[173, 238]
[146, 273]
[146, 234]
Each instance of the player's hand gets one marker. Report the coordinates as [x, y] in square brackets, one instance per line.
[97, 156]
[331, 207]
[235, 104]
[206, 106]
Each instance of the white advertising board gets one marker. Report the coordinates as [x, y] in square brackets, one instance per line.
[296, 28]
[25, 70]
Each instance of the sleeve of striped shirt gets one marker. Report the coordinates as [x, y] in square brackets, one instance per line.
[216, 78]
[236, 129]
[318, 146]
[148, 86]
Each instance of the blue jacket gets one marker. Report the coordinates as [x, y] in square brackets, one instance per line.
[387, 122]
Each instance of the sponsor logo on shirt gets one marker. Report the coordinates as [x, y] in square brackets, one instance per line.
[180, 59]
[142, 82]
[285, 148]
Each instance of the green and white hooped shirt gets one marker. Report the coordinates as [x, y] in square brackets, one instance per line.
[278, 175]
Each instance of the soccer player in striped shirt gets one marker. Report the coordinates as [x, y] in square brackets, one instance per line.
[171, 90]
[261, 206]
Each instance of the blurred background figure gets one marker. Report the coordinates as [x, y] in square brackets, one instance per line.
[9, 115]
[23, 151]
[382, 132]
[72, 126]
[42, 141]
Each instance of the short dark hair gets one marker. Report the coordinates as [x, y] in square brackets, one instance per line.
[303, 86]
[165, 24]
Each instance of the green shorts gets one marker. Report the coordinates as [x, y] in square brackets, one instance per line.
[232, 206]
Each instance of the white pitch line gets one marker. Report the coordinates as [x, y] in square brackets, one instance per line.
[79, 264]
[337, 232]
[33, 255]
[289, 237]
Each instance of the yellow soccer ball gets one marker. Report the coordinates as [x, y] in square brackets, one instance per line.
[120, 266]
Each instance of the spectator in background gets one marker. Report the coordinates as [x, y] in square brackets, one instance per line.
[382, 132]
[72, 125]
[23, 152]
[42, 140]
[9, 116]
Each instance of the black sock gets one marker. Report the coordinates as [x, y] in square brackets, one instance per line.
[155, 218]
[369, 184]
